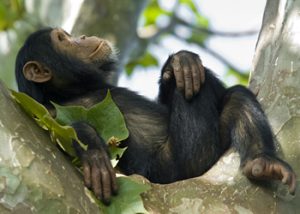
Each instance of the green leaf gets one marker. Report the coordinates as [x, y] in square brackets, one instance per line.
[115, 154]
[202, 21]
[128, 200]
[10, 11]
[190, 4]
[152, 12]
[105, 117]
[63, 135]
[197, 38]
[242, 78]
[146, 60]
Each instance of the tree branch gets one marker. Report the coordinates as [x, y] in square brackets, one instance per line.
[222, 59]
[215, 32]
[144, 41]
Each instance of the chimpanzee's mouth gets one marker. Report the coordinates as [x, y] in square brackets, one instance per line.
[96, 50]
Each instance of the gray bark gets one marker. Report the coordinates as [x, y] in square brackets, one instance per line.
[276, 74]
[35, 177]
[275, 79]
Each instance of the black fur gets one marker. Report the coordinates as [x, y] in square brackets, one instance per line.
[169, 140]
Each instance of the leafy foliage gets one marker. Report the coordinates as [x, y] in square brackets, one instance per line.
[128, 200]
[152, 12]
[145, 61]
[190, 4]
[10, 11]
[202, 21]
[197, 26]
[63, 135]
[242, 78]
[197, 38]
[150, 18]
[107, 119]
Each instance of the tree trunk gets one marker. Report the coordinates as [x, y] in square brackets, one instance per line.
[275, 79]
[35, 177]
[276, 74]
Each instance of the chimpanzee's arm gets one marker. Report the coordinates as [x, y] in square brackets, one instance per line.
[98, 172]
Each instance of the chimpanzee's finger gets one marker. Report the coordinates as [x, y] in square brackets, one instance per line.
[113, 178]
[285, 177]
[195, 75]
[289, 178]
[106, 184]
[86, 174]
[201, 69]
[188, 80]
[178, 72]
[293, 184]
[96, 180]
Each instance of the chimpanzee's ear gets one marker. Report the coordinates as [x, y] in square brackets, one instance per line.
[35, 72]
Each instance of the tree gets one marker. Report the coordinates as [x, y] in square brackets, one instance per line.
[274, 79]
[221, 190]
[139, 21]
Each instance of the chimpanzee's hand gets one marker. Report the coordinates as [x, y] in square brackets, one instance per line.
[99, 175]
[188, 71]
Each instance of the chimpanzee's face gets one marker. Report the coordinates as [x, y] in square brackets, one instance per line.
[88, 49]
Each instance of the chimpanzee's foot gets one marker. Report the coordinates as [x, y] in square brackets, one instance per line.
[270, 168]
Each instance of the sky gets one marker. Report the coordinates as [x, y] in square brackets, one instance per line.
[224, 15]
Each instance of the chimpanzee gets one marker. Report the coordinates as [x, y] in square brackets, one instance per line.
[181, 136]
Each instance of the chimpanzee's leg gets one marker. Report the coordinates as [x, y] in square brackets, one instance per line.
[194, 128]
[244, 125]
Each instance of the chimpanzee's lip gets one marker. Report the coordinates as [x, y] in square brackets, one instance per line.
[96, 50]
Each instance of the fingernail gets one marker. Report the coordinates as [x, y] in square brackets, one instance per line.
[166, 76]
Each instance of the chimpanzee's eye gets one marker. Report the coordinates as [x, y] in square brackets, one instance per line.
[61, 37]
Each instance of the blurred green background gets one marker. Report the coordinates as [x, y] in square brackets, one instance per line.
[158, 28]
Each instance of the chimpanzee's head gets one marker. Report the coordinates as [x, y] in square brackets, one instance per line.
[53, 63]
